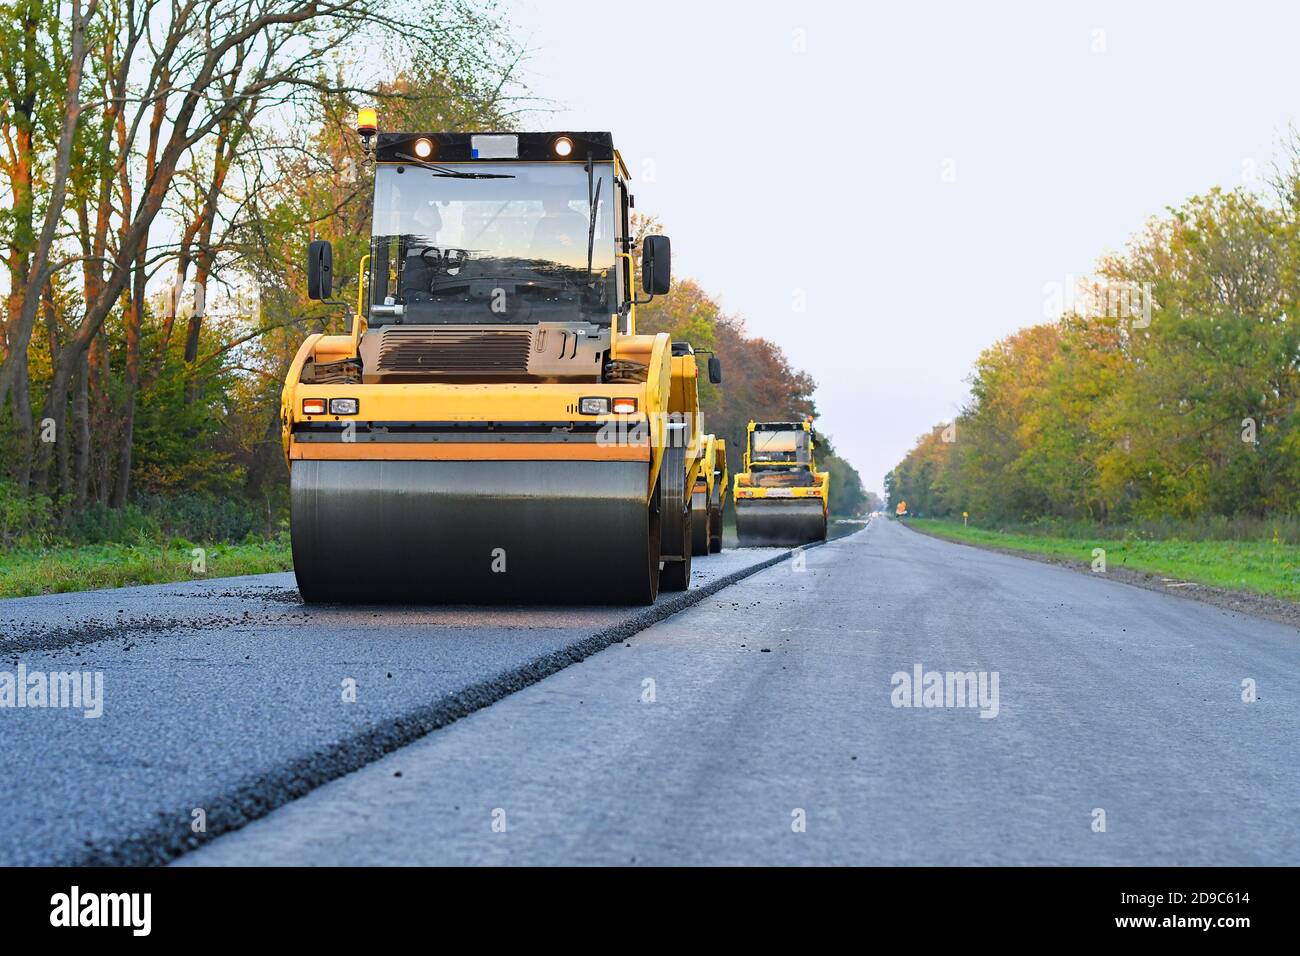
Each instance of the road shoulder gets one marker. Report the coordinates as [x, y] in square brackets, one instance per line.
[1245, 602]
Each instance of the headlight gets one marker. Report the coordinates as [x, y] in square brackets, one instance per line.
[343, 406]
[598, 405]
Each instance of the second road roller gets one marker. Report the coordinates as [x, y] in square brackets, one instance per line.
[781, 499]
[493, 429]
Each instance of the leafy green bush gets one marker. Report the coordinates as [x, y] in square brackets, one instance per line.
[202, 518]
[25, 520]
[100, 524]
[152, 518]
[34, 521]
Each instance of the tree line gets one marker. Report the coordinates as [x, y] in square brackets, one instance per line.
[163, 166]
[1168, 389]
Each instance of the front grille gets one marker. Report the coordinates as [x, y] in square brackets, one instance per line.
[454, 351]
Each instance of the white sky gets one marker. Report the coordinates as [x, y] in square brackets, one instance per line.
[823, 170]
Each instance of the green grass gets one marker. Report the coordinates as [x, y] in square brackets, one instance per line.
[1264, 567]
[56, 570]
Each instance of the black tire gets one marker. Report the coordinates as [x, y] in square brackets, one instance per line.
[648, 591]
[675, 520]
[701, 523]
[676, 575]
[715, 519]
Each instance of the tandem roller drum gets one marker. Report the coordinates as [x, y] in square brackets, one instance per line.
[701, 522]
[455, 532]
[776, 522]
[715, 523]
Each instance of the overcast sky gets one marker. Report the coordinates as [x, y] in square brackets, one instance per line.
[915, 174]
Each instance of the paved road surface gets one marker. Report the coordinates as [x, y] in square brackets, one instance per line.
[227, 696]
[772, 700]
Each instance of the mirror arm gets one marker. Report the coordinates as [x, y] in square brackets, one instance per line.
[713, 358]
[347, 306]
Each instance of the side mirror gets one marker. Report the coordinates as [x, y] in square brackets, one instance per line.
[320, 269]
[715, 370]
[656, 264]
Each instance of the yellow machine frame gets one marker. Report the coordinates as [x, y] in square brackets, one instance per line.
[669, 390]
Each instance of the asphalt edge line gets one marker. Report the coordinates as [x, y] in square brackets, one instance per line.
[170, 838]
[1261, 606]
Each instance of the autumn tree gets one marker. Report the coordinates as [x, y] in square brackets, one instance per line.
[1185, 406]
[143, 144]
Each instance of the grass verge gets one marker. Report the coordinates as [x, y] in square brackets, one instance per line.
[85, 568]
[1262, 567]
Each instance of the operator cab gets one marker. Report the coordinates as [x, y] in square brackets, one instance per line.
[494, 257]
[780, 455]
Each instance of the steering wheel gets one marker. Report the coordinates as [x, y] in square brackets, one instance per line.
[449, 261]
[453, 260]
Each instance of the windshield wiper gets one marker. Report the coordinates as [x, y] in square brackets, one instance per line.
[451, 173]
[592, 202]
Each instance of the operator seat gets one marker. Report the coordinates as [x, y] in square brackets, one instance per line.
[417, 274]
[561, 234]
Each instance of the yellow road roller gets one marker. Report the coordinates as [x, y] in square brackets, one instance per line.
[781, 499]
[493, 429]
[708, 496]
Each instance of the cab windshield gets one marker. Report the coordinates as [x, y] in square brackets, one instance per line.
[787, 445]
[535, 245]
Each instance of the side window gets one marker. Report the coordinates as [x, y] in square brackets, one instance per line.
[622, 230]
[378, 268]
[385, 263]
